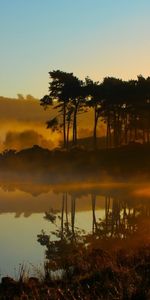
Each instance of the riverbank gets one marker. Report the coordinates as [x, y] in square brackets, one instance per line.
[98, 274]
[79, 164]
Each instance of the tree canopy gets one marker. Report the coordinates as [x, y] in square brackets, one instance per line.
[123, 106]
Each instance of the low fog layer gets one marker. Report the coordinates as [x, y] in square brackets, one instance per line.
[26, 139]
[23, 124]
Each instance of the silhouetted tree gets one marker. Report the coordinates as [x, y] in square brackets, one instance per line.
[123, 106]
[94, 100]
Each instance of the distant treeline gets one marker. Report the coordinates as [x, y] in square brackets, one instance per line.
[78, 165]
[19, 97]
[124, 107]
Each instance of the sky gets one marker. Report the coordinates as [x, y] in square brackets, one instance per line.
[94, 38]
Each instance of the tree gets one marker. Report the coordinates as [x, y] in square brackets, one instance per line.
[113, 106]
[94, 100]
[64, 92]
[123, 106]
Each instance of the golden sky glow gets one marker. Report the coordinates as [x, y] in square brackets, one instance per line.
[97, 38]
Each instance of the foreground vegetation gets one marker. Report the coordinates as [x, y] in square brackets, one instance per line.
[98, 274]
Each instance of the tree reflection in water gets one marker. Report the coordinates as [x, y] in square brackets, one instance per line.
[76, 252]
[64, 244]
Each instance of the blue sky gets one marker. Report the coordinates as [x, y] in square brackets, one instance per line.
[87, 37]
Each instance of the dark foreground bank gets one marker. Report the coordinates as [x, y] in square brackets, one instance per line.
[125, 274]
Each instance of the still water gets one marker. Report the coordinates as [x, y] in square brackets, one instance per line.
[110, 210]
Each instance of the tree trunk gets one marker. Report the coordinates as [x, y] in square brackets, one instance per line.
[64, 124]
[108, 133]
[68, 130]
[62, 215]
[73, 214]
[94, 225]
[73, 128]
[126, 131]
[75, 125]
[115, 130]
[66, 210]
[95, 127]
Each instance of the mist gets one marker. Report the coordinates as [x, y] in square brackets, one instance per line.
[23, 124]
[26, 139]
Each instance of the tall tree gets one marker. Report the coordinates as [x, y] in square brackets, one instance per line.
[113, 102]
[63, 88]
[94, 100]
[124, 107]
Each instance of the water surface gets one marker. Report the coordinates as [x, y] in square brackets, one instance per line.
[110, 211]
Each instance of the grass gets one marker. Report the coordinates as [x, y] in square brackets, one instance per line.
[97, 274]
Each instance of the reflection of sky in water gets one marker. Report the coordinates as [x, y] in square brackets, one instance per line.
[19, 241]
[83, 219]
